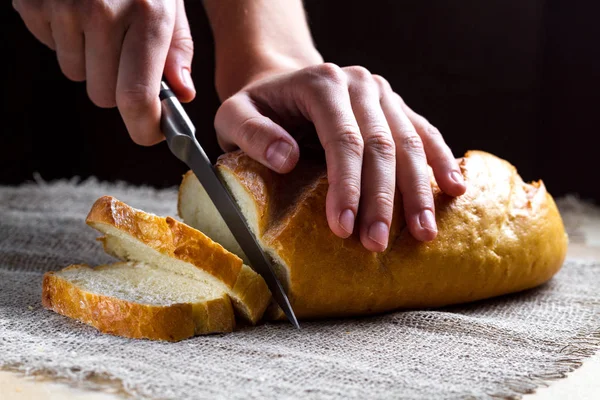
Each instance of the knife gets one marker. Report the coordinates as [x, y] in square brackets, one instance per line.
[181, 139]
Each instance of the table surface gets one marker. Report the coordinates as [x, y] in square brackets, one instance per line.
[581, 384]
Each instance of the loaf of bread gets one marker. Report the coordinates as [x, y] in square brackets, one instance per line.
[502, 236]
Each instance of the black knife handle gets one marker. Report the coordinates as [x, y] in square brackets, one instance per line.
[165, 92]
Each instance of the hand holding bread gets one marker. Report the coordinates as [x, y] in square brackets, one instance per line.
[376, 147]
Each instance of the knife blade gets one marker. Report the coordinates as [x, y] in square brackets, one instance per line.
[180, 134]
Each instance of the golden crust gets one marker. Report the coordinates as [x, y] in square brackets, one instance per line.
[133, 320]
[502, 236]
[170, 237]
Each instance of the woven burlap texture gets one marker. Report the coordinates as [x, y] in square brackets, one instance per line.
[497, 348]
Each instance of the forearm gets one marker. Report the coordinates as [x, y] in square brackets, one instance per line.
[254, 38]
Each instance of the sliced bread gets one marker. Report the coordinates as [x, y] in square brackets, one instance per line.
[137, 300]
[134, 235]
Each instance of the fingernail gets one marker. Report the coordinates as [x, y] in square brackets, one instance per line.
[457, 177]
[427, 221]
[186, 77]
[347, 221]
[379, 232]
[278, 153]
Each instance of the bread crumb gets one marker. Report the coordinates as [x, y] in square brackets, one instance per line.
[30, 308]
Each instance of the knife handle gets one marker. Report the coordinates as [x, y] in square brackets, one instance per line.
[173, 115]
[176, 125]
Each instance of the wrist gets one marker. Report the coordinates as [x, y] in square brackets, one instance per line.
[234, 72]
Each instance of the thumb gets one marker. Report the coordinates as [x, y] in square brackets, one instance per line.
[178, 66]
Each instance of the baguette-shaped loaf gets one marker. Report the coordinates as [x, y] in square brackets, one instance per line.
[501, 236]
[134, 235]
[137, 301]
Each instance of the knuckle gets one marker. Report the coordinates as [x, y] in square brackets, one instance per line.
[382, 83]
[382, 143]
[183, 41]
[359, 73]
[433, 133]
[348, 140]
[351, 189]
[412, 143]
[249, 131]
[383, 201]
[148, 7]
[324, 75]
[156, 12]
[136, 99]
[348, 185]
[420, 192]
[331, 72]
[101, 12]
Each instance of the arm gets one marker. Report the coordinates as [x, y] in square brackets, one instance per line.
[255, 38]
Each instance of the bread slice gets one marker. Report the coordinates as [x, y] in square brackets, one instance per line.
[502, 236]
[138, 301]
[197, 210]
[134, 235]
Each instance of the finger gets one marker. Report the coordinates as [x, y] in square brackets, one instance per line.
[141, 66]
[239, 124]
[36, 20]
[69, 41]
[179, 59]
[412, 170]
[379, 160]
[323, 94]
[103, 38]
[445, 167]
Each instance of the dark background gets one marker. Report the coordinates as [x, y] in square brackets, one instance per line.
[520, 79]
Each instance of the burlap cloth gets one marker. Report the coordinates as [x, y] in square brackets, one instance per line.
[499, 348]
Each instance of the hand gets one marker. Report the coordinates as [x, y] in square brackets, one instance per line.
[121, 48]
[373, 143]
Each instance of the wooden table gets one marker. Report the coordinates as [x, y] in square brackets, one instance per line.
[582, 384]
